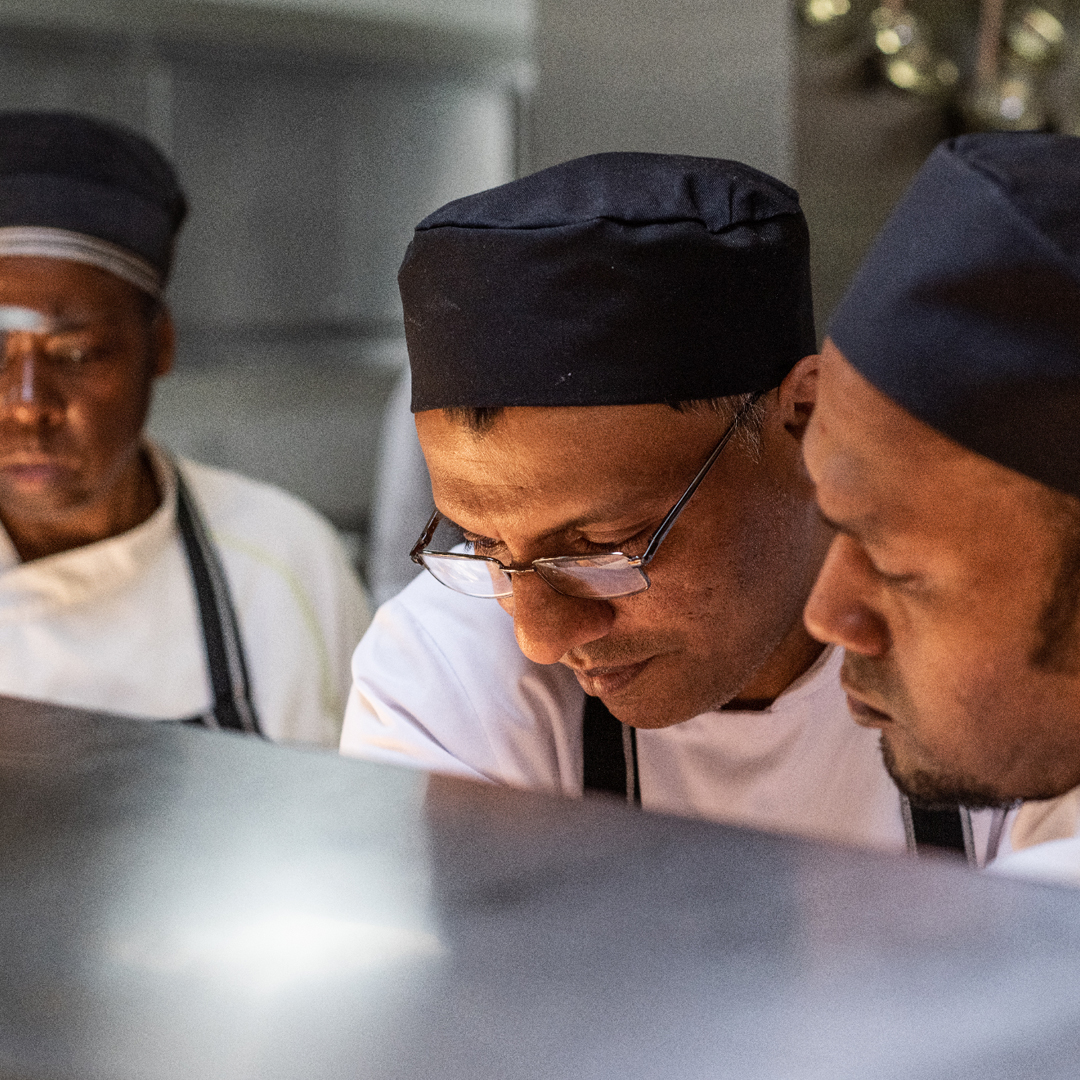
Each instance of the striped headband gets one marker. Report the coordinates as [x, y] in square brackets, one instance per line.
[51, 243]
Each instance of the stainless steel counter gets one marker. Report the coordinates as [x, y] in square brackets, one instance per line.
[176, 903]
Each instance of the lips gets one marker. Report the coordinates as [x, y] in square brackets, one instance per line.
[604, 682]
[33, 473]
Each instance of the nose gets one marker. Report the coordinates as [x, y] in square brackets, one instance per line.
[548, 625]
[840, 609]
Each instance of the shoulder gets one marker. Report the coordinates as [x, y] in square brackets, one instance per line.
[428, 602]
[439, 678]
[473, 640]
[270, 539]
[238, 507]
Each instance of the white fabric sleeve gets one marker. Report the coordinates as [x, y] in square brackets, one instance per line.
[440, 684]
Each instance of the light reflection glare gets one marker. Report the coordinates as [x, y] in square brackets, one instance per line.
[280, 950]
[20, 319]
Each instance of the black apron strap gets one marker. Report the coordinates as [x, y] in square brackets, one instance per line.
[232, 706]
[609, 753]
[939, 831]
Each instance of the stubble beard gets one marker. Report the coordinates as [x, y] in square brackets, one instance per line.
[939, 790]
[926, 786]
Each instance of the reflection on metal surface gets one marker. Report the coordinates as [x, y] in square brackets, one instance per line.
[277, 950]
[189, 904]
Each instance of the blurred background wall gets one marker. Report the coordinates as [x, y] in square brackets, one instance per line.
[312, 135]
[706, 77]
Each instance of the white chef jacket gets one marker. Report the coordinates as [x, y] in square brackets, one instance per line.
[114, 625]
[439, 683]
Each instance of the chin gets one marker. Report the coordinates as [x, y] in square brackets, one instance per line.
[653, 708]
[936, 788]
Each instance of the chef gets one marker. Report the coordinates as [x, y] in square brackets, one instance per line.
[132, 581]
[612, 369]
[944, 450]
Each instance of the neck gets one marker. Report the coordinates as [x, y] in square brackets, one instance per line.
[794, 656]
[128, 501]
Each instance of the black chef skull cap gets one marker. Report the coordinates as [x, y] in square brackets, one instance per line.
[614, 279]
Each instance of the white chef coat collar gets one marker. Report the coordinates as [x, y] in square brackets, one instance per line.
[94, 570]
[808, 684]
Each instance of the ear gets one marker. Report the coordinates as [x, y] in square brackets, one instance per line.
[162, 342]
[796, 396]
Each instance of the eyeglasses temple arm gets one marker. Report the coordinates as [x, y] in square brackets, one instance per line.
[425, 538]
[677, 509]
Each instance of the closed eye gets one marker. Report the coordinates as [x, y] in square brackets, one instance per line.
[482, 545]
[896, 580]
[907, 582]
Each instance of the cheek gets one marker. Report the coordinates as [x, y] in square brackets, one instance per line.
[958, 671]
[110, 409]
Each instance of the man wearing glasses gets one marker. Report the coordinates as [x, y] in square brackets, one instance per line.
[131, 582]
[612, 370]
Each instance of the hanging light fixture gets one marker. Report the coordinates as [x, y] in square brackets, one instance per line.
[825, 12]
[834, 23]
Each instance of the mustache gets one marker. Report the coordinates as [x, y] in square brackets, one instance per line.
[870, 677]
[605, 653]
[20, 441]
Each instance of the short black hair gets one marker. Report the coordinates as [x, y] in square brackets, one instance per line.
[481, 419]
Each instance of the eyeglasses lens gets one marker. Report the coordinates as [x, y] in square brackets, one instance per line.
[598, 577]
[473, 577]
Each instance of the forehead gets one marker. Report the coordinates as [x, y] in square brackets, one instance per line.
[879, 469]
[576, 458]
[64, 287]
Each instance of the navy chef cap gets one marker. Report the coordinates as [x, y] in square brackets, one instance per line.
[78, 188]
[967, 310]
[615, 279]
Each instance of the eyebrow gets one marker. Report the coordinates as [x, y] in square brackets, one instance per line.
[579, 525]
[66, 324]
